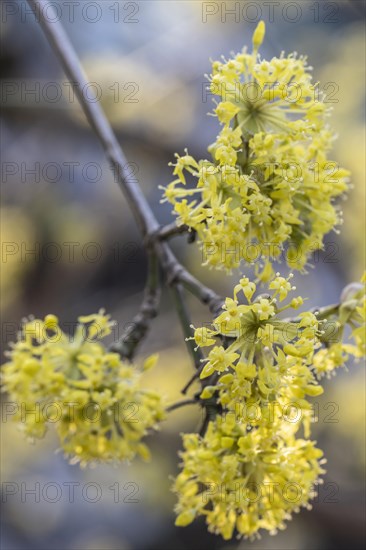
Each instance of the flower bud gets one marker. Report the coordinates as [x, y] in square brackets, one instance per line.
[258, 35]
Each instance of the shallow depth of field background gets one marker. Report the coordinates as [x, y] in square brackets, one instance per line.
[147, 60]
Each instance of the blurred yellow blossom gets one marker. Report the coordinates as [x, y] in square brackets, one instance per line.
[96, 401]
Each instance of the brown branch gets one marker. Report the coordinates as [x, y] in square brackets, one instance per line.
[140, 208]
[182, 403]
[171, 230]
[138, 328]
[60, 42]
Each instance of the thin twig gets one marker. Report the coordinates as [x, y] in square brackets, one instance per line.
[205, 423]
[186, 324]
[190, 382]
[182, 403]
[138, 328]
[140, 208]
[176, 273]
[171, 230]
[61, 44]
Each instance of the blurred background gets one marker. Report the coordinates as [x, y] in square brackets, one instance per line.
[70, 246]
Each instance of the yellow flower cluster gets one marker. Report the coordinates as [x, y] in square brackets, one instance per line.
[259, 381]
[352, 312]
[245, 480]
[100, 410]
[269, 181]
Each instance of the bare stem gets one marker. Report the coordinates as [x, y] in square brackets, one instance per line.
[176, 273]
[182, 403]
[142, 212]
[60, 42]
[193, 378]
[138, 328]
[186, 323]
[171, 230]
